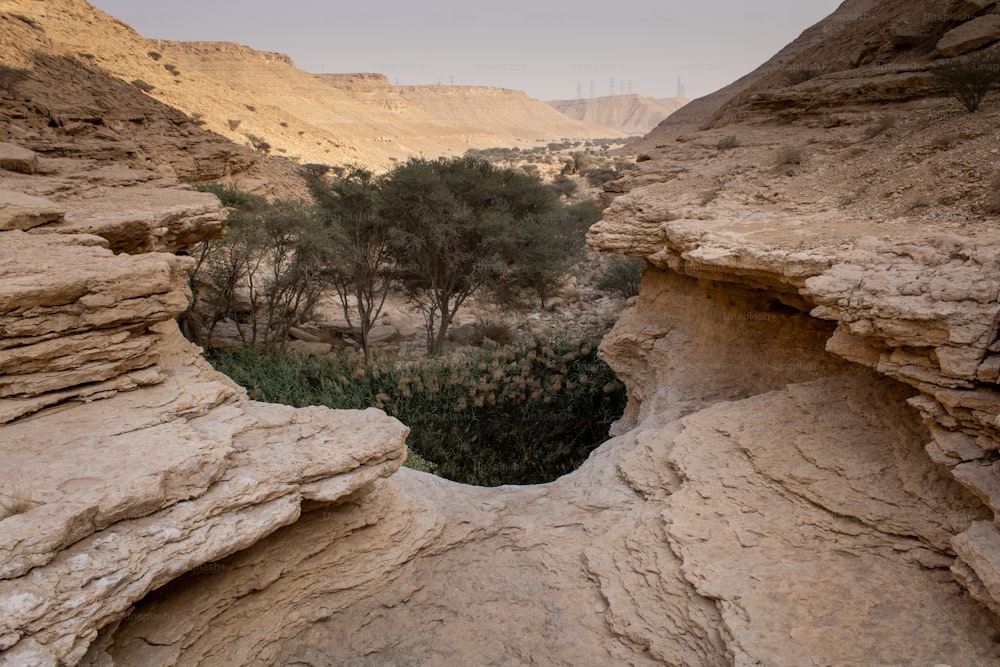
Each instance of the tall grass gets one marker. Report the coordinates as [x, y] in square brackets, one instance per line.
[525, 413]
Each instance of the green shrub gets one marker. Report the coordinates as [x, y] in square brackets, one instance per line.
[259, 144]
[143, 86]
[564, 185]
[155, 55]
[797, 75]
[172, 69]
[233, 197]
[417, 462]
[267, 272]
[314, 170]
[496, 330]
[520, 414]
[969, 80]
[621, 277]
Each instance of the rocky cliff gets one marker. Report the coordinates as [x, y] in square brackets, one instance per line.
[126, 460]
[251, 96]
[337, 118]
[632, 114]
[806, 473]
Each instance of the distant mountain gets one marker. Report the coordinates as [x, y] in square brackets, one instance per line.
[631, 114]
[262, 99]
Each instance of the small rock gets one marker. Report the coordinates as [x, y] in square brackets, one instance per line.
[303, 347]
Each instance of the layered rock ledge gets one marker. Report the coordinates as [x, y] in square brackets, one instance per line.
[127, 461]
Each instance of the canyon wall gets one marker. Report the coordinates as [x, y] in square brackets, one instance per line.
[127, 461]
[806, 473]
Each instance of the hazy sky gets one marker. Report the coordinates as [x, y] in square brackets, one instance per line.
[549, 48]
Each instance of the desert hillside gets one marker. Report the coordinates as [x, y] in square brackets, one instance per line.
[632, 114]
[257, 98]
[807, 473]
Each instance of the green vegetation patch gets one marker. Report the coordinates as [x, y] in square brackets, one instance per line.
[525, 413]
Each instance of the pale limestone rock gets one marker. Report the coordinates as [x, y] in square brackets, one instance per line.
[17, 158]
[983, 479]
[73, 316]
[766, 502]
[979, 551]
[970, 36]
[383, 334]
[141, 219]
[133, 491]
[21, 211]
[790, 517]
[918, 306]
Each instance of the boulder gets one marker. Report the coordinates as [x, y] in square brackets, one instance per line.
[16, 158]
[21, 211]
[970, 36]
[383, 334]
[973, 7]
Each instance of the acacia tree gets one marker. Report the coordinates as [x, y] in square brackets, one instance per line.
[461, 224]
[293, 277]
[359, 264]
[268, 271]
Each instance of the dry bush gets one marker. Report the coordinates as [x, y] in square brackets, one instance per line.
[884, 124]
[15, 501]
[971, 79]
[946, 142]
[790, 157]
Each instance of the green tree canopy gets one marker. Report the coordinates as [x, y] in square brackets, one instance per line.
[359, 264]
[462, 224]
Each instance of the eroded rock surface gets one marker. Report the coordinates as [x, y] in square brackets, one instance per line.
[806, 473]
[127, 461]
[774, 517]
